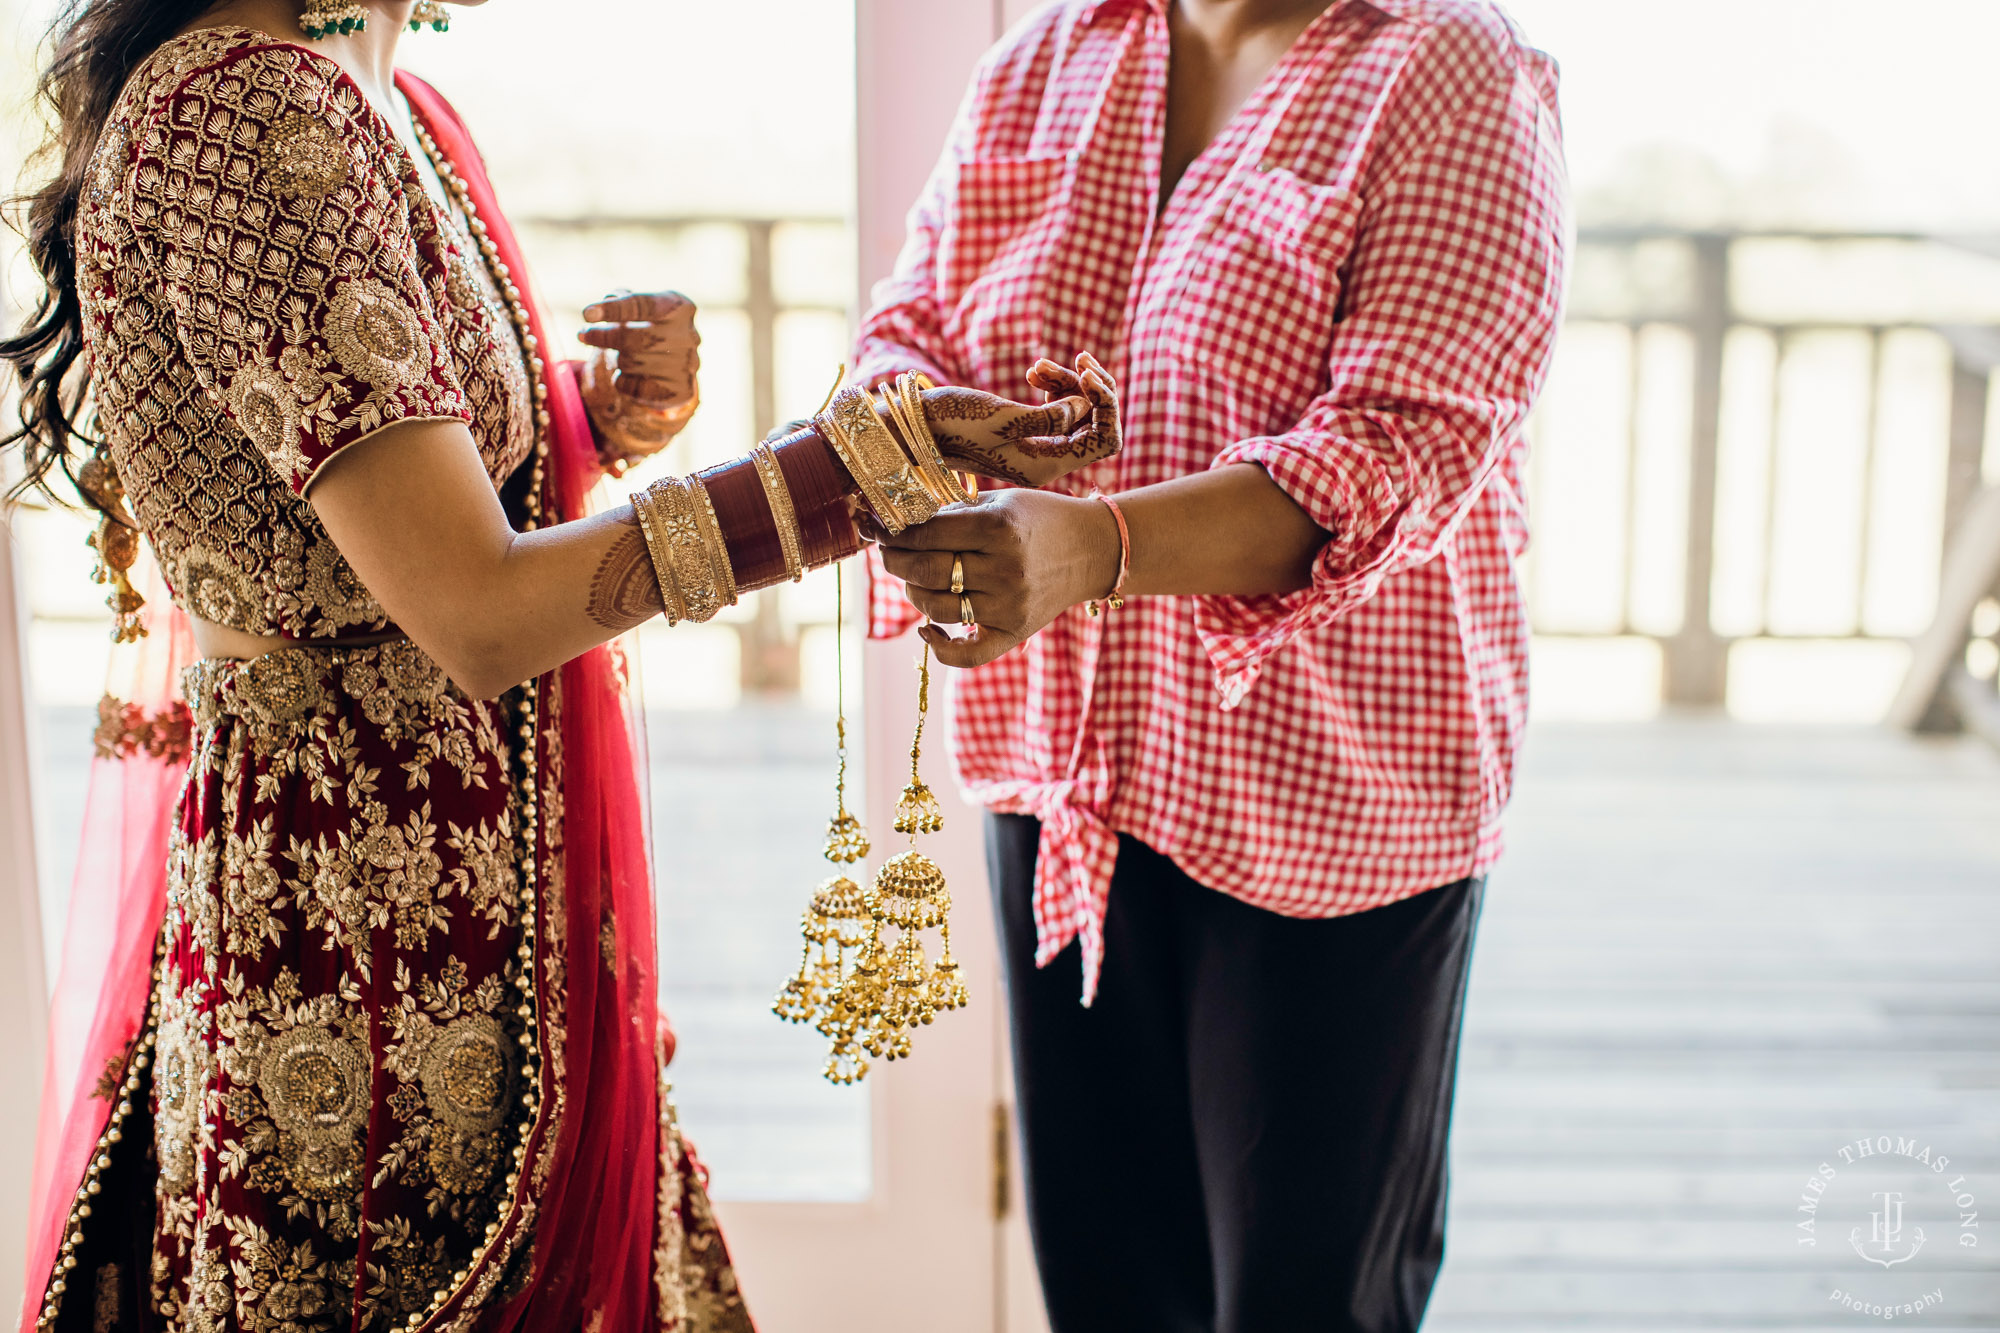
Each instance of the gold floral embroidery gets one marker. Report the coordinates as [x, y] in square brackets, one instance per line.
[125, 730]
[213, 587]
[180, 1081]
[468, 1075]
[332, 586]
[250, 299]
[304, 157]
[268, 413]
[375, 333]
[104, 1317]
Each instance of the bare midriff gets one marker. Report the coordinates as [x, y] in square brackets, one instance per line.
[221, 641]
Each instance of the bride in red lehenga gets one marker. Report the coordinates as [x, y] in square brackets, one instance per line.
[357, 1025]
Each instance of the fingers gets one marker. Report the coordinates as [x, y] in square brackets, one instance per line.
[945, 608]
[627, 307]
[983, 645]
[1058, 418]
[1086, 364]
[1049, 377]
[655, 391]
[957, 529]
[641, 339]
[932, 569]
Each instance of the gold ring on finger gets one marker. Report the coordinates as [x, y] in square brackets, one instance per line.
[957, 575]
[965, 616]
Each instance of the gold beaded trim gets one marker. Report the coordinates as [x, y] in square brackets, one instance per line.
[869, 450]
[779, 496]
[100, 1162]
[906, 404]
[653, 527]
[522, 1206]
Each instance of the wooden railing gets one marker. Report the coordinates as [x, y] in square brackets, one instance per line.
[1702, 305]
[1954, 676]
[1695, 656]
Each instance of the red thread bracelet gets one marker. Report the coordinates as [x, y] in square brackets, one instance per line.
[1116, 601]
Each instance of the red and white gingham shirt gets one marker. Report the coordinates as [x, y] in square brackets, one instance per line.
[1356, 286]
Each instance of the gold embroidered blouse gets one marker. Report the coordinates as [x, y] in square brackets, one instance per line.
[265, 282]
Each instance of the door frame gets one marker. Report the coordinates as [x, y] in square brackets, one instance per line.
[925, 1253]
[23, 982]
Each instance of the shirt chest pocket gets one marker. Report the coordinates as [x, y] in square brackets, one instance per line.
[1263, 292]
[1002, 229]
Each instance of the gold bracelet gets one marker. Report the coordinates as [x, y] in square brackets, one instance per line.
[909, 397]
[653, 527]
[714, 545]
[779, 496]
[868, 449]
[686, 550]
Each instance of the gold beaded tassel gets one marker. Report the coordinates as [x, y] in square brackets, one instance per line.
[836, 922]
[910, 896]
[116, 542]
[332, 18]
[430, 14]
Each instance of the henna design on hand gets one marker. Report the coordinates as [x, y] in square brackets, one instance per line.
[978, 459]
[625, 591]
[1030, 445]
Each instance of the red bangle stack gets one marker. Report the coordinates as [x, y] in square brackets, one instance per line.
[819, 488]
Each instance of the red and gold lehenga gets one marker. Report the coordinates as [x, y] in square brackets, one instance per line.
[358, 1023]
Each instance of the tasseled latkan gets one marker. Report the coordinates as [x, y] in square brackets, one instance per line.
[836, 924]
[865, 980]
[116, 542]
[917, 810]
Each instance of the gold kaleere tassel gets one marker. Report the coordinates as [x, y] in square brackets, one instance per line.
[837, 926]
[902, 991]
[864, 979]
[116, 542]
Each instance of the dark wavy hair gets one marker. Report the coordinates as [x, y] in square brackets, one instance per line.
[93, 47]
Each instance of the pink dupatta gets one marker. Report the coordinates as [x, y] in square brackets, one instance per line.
[604, 1197]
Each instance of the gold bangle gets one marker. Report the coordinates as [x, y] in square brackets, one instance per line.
[779, 496]
[869, 451]
[908, 398]
[652, 526]
[714, 545]
[686, 549]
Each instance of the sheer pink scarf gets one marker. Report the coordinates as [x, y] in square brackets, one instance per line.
[596, 1216]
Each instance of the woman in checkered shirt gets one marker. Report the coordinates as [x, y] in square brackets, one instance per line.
[1249, 812]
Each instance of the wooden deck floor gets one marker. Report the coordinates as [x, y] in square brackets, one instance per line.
[1715, 955]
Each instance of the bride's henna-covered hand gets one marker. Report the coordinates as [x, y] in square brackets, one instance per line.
[642, 379]
[1029, 446]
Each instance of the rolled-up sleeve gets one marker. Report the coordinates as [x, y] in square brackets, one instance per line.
[1452, 300]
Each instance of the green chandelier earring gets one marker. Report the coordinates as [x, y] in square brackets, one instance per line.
[430, 14]
[332, 18]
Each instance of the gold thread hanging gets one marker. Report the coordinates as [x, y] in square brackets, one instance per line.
[836, 923]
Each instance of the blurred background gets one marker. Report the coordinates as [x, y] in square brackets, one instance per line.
[1750, 914]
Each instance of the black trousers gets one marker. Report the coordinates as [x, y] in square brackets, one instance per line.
[1246, 1132]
